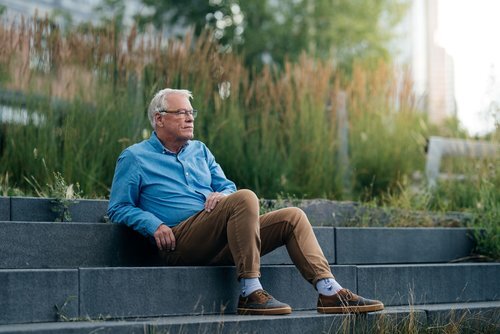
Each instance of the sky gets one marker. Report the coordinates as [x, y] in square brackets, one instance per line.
[469, 31]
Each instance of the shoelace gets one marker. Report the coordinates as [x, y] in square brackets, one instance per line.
[263, 294]
[348, 296]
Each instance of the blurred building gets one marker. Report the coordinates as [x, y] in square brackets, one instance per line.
[80, 11]
[431, 66]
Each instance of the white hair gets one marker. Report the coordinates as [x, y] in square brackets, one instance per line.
[159, 102]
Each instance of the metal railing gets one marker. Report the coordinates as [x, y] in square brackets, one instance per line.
[440, 147]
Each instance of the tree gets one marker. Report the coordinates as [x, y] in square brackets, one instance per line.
[274, 30]
[225, 17]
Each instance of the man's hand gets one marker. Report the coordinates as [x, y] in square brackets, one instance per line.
[212, 200]
[165, 239]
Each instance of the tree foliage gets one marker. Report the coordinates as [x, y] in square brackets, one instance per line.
[275, 30]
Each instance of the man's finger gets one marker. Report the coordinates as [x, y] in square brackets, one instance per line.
[172, 242]
[158, 243]
[164, 237]
[208, 203]
[212, 201]
[167, 243]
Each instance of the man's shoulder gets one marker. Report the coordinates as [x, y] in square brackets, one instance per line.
[196, 144]
[197, 147]
[136, 149]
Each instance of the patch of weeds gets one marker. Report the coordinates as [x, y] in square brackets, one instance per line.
[486, 222]
[61, 311]
[64, 195]
[281, 201]
[408, 205]
[466, 322]
[368, 214]
[7, 189]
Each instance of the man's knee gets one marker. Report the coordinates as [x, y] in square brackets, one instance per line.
[292, 216]
[295, 216]
[245, 197]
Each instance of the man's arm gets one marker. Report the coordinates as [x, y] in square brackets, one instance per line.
[220, 184]
[124, 198]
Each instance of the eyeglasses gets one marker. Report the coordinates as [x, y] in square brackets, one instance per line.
[180, 112]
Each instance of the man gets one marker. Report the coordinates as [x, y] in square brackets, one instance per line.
[171, 188]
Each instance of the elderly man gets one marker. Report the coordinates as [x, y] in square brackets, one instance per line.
[171, 188]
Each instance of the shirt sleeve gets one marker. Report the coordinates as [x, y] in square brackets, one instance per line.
[219, 181]
[125, 197]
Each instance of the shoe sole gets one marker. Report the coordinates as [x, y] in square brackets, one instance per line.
[265, 311]
[351, 309]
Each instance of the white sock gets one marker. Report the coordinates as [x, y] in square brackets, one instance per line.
[328, 286]
[249, 285]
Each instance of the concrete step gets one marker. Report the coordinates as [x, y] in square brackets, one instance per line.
[26, 245]
[72, 245]
[321, 212]
[430, 283]
[382, 245]
[50, 294]
[484, 317]
[42, 209]
[42, 295]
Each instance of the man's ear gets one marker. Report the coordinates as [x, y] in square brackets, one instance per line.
[158, 120]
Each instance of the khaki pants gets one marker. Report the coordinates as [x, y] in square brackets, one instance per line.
[233, 233]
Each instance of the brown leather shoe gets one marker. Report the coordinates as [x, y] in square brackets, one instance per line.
[347, 302]
[262, 303]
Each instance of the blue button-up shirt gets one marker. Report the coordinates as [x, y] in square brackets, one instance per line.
[154, 186]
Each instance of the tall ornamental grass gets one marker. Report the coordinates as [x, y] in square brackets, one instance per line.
[388, 136]
[86, 92]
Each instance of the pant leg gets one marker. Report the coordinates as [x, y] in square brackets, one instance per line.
[290, 227]
[233, 225]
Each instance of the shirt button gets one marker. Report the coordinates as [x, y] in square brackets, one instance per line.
[187, 174]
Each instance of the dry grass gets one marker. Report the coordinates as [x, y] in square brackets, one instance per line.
[275, 132]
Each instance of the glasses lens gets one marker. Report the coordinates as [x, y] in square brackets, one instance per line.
[181, 112]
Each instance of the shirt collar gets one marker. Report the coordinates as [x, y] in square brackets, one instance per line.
[158, 146]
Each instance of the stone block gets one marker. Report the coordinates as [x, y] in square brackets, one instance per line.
[4, 209]
[139, 292]
[32, 209]
[91, 211]
[37, 295]
[401, 245]
[133, 292]
[430, 283]
[297, 322]
[72, 245]
[42, 209]
[325, 236]
[482, 317]
[332, 213]
[322, 212]
[82, 327]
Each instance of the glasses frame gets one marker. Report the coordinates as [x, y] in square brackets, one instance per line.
[183, 112]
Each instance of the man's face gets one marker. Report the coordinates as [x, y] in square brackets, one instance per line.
[175, 128]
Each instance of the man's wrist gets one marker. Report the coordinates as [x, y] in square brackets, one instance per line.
[154, 226]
